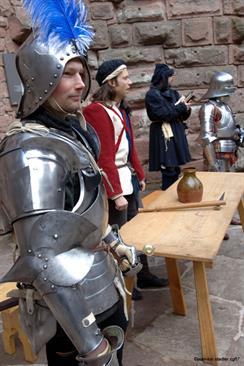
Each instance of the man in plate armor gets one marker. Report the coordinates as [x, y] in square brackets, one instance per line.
[220, 134]
[70, 287]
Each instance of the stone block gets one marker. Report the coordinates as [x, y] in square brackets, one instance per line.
[136, 97]
[102, 11]
[187, 57]
[2, 45]
[236, 54]
[150, 32]
[6, 8]
[3, 90]
[3, 32]
[5, 120]
[173, 38]
[236, 101]
[21, 14]
[92, 60]
[141, 13]
[18, 30]
[133, 55]
[193, 122]
[240, 81]
[140, 121]
[233, 7]
[239, 117]
[197, 31]
[195, 147]
[168, 34]
[222, 30]
[120, 35]
[3, 22]
[141, 76]
[199, 77]
[142, 147]
[101, 39]
[192, 8]
[6, 108]
[237, 29]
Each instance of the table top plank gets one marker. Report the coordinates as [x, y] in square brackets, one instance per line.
[194, 234]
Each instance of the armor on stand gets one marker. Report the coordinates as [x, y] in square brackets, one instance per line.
[220, 134]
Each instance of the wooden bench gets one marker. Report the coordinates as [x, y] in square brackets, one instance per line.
[12, 328]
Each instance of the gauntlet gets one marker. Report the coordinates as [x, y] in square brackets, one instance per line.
[125, 254]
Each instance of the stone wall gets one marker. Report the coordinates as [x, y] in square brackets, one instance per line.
[196, 37]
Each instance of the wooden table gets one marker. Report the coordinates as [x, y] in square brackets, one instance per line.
[191, 234]
[12, 327]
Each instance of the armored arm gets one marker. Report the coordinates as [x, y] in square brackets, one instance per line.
[126, 254]
[208, 134]
[56, 245]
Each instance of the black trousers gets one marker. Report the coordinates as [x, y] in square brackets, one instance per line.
[121, 217]
[61, 343]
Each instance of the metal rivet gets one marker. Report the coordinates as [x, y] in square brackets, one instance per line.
[46, 259]
[29, 251]
[52, 286]
[86, 323]
[55, 236]
[67, 54]
[55, 76]
[45, 279]
[39, 255]
[61, 58]
[45, 266]
[59, 189]
[45, 91]
[32, 78]
[51, 84]
[58, 66]
[40, 98]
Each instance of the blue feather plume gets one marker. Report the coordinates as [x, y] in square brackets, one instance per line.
[62, 20]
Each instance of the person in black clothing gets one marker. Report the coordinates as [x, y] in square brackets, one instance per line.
[168, 147]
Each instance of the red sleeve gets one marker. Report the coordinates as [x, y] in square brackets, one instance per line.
[96, 115]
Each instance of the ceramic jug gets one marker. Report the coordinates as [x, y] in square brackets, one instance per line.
[189, 188]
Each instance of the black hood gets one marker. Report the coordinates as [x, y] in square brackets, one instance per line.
[160, 76]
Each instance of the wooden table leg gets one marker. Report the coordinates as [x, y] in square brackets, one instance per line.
[209, 349]
[177, 296]
[241, 212]
[129, 282]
